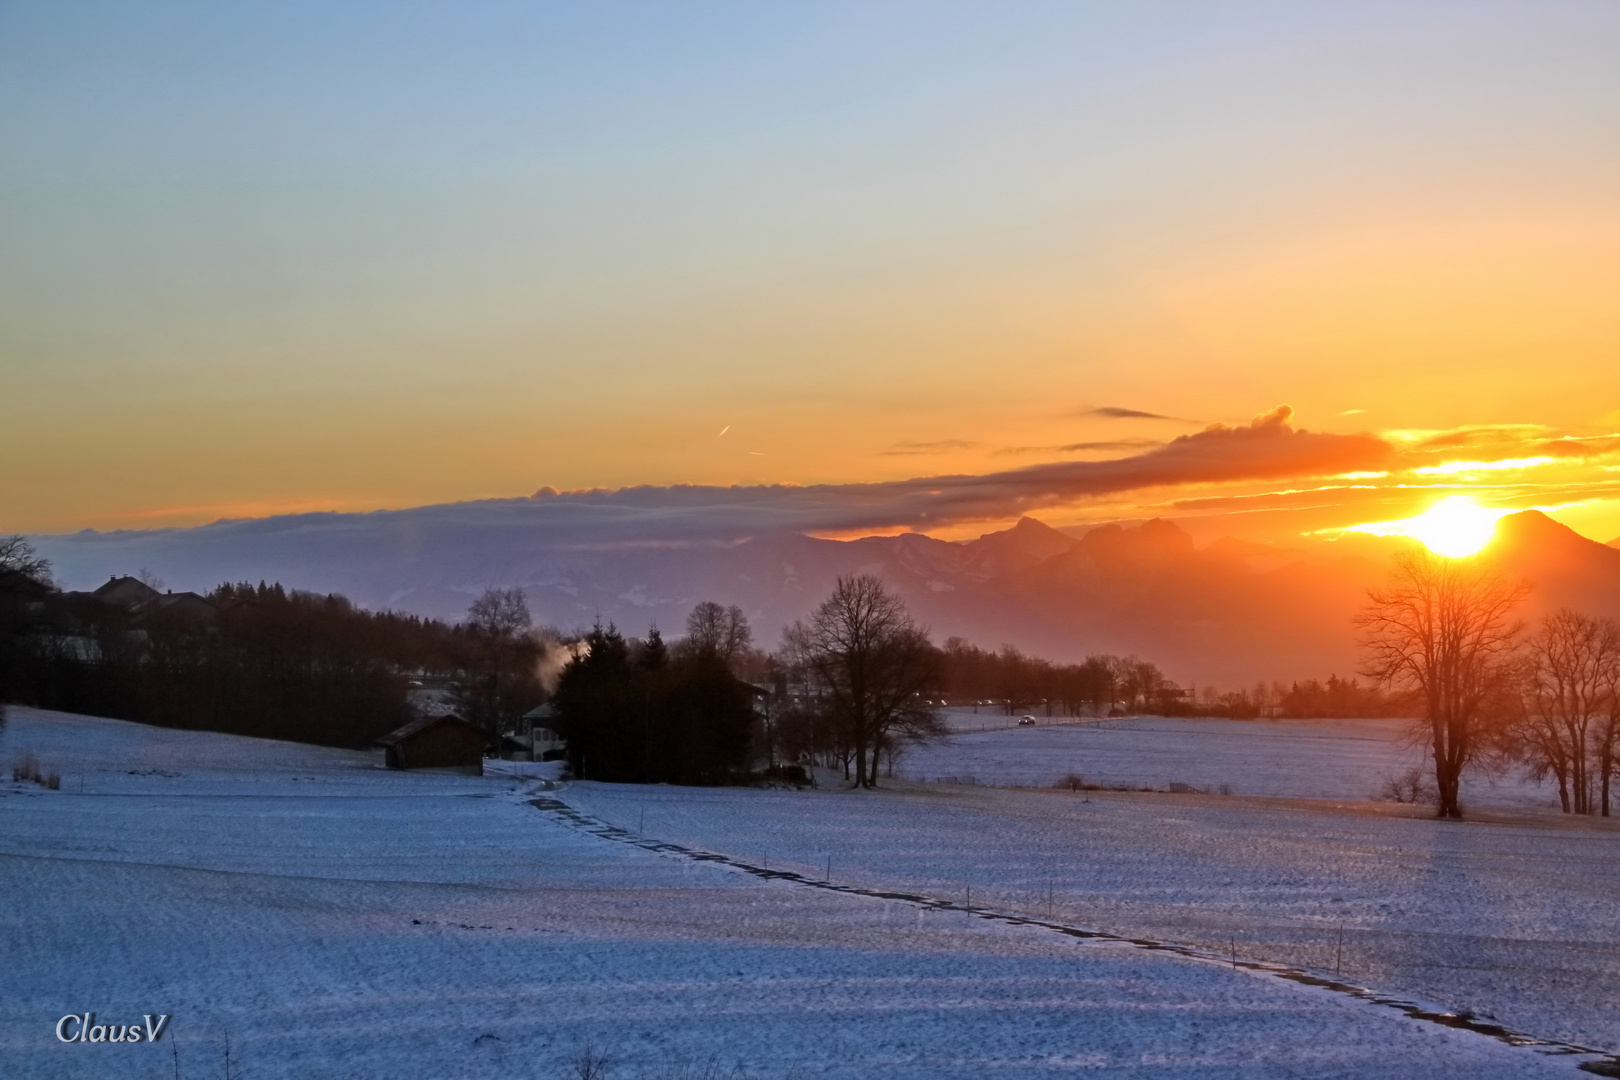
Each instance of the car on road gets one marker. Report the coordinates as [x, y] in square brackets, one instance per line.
[1026, 721]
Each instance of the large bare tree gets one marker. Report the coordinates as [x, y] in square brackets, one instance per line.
[720, 630]
[502, 656]
[1566, 726]
[872, 663]
[1444, 630]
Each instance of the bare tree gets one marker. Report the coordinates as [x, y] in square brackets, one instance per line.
[720, 630]
[1443, 629]
[499, 621]
[1609, 727]
[19, 560]
[500, 613]
[1566, 726]
[1140, 681]
[872, 664]
[1100, 682]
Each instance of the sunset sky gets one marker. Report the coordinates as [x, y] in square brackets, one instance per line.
[1268, 269]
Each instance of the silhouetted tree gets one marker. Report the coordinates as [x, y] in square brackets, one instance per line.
[25, 585]
[720, 630]
[1099, 678]
[1566, 725]
[1443, 629]
[632, 713]
[1335, 698]
[500, 679]
[871, 664]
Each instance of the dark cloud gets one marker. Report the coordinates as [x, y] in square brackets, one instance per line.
[1115, 412]
[1268, 448]
[485, 540]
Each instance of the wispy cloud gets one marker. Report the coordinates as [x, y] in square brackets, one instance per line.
[1081, 447]
[1117, 412]
[939, 446]
[1501, 446]
[1453, 468]
[1268, 448]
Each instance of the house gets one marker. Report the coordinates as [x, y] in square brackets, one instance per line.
[146, 605]
[436, 742]
[535, 732]
[125, 592]
[186, 609]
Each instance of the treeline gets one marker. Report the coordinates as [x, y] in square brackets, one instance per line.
[1310, 700]
[267, 661]
[245, 659]
[1104, 684]
[1016, 682]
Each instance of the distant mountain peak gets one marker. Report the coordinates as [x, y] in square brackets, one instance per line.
[1534, 528]
[1028, 536]
[1157, 536]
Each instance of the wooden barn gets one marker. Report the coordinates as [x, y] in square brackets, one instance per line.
[436, 742]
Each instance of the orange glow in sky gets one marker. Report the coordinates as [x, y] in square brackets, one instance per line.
[1456, 526]
[290, 263]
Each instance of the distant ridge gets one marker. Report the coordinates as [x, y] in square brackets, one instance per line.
[1227, 614]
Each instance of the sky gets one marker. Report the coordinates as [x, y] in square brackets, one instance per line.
[1267, 268]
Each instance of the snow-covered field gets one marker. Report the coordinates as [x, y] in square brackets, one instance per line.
[1305, 759]
[340, 920]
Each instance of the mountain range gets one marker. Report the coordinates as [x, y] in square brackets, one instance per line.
[1224, 615]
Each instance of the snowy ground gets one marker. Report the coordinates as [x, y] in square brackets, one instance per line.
[1306, 759]
[1514, 919]
[341, 920]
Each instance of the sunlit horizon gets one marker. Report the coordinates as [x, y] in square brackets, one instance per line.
[1457, 526]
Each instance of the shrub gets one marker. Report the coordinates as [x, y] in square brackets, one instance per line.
[1412, 786]
[26, 769]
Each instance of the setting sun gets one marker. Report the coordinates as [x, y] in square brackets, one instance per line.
[1456, 526]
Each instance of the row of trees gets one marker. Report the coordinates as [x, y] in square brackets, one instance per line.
[1103, 683]
[257, 660]
[635, 710]
[1444, 632]
[1440, 637]
[1018, 682]
[1308, 700]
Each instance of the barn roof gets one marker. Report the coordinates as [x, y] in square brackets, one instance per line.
[399, 735]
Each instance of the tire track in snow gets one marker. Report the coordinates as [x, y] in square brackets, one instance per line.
[1601, 1062]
